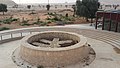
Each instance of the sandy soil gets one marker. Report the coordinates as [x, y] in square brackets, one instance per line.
[33, 18]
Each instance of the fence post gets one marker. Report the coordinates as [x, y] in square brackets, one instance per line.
[30, 32]
[21, 34]
[11, 36]
[1, 37]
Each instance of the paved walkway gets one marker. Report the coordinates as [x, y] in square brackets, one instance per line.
[6, 50]
[102, 42]
[106, 57]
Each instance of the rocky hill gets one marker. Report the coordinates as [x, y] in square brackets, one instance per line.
[8, 2]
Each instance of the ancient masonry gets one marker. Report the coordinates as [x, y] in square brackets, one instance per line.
[54, 49]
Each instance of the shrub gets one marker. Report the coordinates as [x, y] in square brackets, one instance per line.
[66, 15]
[4, 28]
[38, 19]
[14, 19]
[32, 13]
[48, 18]
[49, 22]
[9, 20]
[68, 22]
[68, 18]
[38, 22]
[25, 23]
[0, 22]
[48, 13]
[43, 24]
[53, 19]
[52, 14]
[40, 66]
[57, 18]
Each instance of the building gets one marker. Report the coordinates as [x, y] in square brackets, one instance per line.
[110, 20]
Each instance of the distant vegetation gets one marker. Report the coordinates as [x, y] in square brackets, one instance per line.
[25, 23]
[41, 23]
[87, 8]
[29, 6]
[60, 17]
[8, 20]
[54, 17]
[3, 8]
[40, 66]
[4, 28]
[48, 7]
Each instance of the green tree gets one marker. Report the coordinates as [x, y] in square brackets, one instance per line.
[87, 8]
[82, 10]
[55, 6]
[3, 8]
[15, 6]
[66, 6]
[48, 7]
[74, 9]
[29, 6]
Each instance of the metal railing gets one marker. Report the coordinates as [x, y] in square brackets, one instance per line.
[19, 33]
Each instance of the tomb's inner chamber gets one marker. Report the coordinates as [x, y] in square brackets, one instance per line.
[53, 40]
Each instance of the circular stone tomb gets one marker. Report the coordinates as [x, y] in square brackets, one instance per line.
[54, 49]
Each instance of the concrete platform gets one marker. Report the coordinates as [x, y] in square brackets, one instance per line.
[103, 42]
[106, 56]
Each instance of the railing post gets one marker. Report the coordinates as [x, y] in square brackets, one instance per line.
[1, 37]
[21, 34]
[96, 23]
[116, 27]
[110, 22]
[103, 21]
[11, 36]
[30, 32]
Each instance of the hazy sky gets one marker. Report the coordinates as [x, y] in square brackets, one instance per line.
[43, 1]
[63, 1]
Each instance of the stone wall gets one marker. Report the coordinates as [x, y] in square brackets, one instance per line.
[54, 57]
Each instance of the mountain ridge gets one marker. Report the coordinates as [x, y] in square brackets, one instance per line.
[8, 2]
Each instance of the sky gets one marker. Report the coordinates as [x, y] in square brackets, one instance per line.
[43, 1]
[63, 1]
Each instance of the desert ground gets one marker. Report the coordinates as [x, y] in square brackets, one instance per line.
[34, 18]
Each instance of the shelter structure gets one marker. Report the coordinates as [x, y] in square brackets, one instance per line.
[110, 20]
